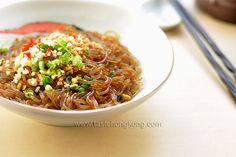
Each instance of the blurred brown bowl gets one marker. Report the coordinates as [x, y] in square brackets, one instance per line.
[222, 9]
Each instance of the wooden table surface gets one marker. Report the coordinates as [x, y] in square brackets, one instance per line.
[196, 114]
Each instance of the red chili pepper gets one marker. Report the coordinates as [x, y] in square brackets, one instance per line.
[48, 53]
[28, 54]
[37, 77]
[29, 44]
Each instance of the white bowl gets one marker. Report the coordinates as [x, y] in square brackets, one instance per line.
[145, 40]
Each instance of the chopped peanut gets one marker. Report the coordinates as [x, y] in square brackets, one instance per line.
[19, 85]
[60, 81]
[126, 97]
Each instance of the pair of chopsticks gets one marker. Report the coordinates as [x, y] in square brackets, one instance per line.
[207, 45]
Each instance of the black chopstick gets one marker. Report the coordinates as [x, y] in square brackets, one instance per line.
[199, 35]
[230, 67]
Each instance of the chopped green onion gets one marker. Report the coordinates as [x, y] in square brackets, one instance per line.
[65, 58]
[48, 88]
[87, 51]
[61, 42]
[85, 85]
[43, 71]
[3, 50]
[68, 79]
[35, 65]
[45, 80]
[112, 73]
[61, 46]
[43, 47]
[60, 72]
[56, 62]
[87, 78]
[51, 72]
[74, 87]
[79, 78]
[77, 88]
[50, 65]
[53, 64]
[77, 61]
[119, 98]
[74, 80]
[28, 93]
[84, 82]
[41, 65]
[81, 89]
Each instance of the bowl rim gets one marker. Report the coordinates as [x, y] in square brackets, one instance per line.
[92, 111]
